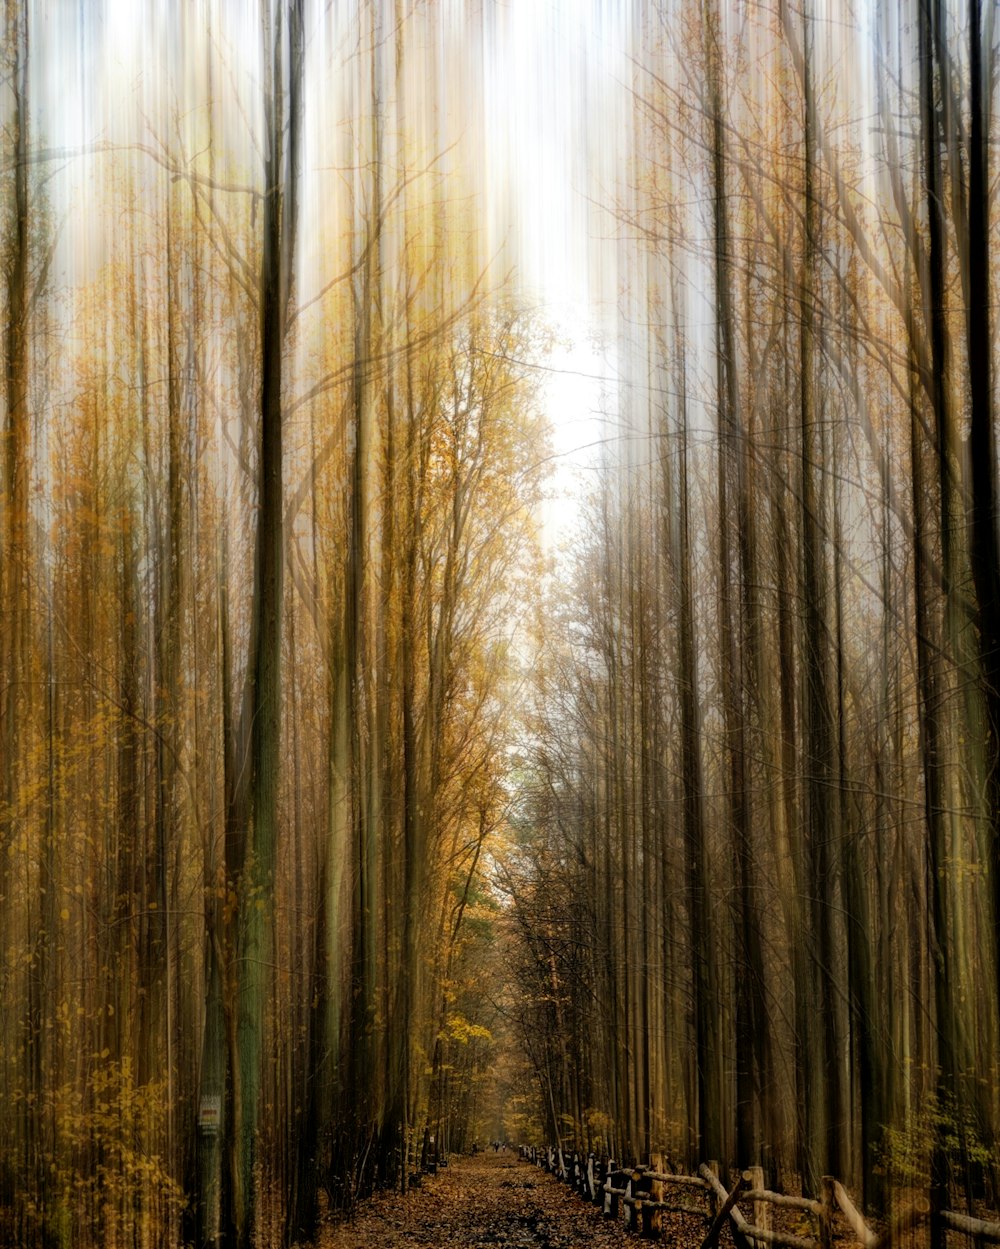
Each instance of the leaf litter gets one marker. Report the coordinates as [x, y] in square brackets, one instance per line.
[491, 1201]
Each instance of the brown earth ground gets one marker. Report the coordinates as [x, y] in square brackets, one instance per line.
[492, 1201]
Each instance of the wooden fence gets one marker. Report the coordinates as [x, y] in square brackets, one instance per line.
[644, 1193]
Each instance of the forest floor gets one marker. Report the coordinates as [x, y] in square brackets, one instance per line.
[492, 1201]
[496, 1201]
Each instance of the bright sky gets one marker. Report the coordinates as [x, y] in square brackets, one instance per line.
[556, 112]
[553, 110]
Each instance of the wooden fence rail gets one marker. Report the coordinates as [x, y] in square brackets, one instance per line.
[644, 1192]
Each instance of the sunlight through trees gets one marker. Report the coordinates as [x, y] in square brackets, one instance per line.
[340, 814]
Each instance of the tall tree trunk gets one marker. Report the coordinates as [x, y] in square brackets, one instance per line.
[703, 934]
[255, 890]
[985, 536]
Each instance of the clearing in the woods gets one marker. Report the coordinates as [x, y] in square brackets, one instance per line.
[490, 1200]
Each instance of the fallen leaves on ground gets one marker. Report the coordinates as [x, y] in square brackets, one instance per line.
[492, 1201]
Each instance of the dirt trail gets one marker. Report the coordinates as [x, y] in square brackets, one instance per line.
[493, 1201]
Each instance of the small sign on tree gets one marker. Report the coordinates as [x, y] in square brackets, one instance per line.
[209, 1113]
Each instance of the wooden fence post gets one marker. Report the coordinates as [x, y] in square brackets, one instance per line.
[826, 1216]
[611, 1198]
[602, 1169]
[652, 1224]
[639, 1213]
[631, 1218]
[713, 1200]
[761, 1216]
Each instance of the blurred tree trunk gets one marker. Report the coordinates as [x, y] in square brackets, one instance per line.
[985, 535]
[282, 58]
[25, 1036]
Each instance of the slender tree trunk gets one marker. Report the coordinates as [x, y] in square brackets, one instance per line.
[282, 107]
[985, 538]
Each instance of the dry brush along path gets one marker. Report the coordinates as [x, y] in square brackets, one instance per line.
[492, 1201]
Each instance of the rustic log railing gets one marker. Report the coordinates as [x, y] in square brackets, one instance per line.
[644, 1192]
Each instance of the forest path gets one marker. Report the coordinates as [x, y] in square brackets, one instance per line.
[492, 1201]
